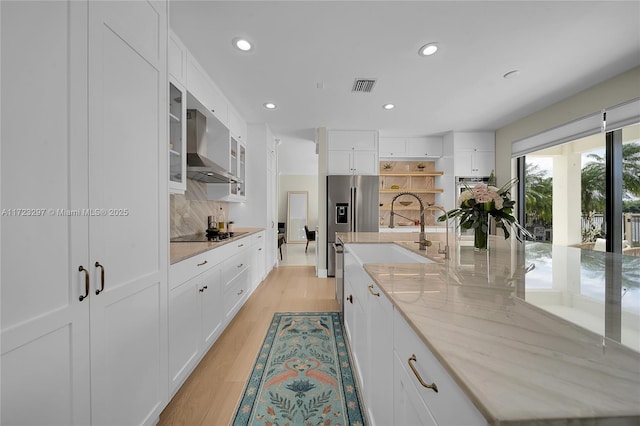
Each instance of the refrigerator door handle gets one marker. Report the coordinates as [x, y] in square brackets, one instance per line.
[354, 197]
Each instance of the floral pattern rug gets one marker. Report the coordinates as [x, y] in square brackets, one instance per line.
[302, 375]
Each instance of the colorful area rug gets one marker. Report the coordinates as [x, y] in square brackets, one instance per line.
[302, 375]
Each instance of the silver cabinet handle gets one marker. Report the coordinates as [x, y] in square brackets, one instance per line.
[432, 386]
[241, 291]
[241, 265]
[373, 292]
[240, 245]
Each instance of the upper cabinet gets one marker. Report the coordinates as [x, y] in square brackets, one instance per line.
[177, 137]
[205, 91]
[473, 153]
[177, 59]
[428, 146]
[226, 130]
[352, 152]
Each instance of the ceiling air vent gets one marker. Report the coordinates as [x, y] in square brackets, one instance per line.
[363, 85]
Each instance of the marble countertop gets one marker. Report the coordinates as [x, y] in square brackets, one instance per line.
[516, 358]
[184, 250]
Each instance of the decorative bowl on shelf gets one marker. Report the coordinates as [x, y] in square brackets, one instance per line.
[406, 203]
[395, 187]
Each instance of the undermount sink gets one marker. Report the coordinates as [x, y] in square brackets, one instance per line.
[385, 253]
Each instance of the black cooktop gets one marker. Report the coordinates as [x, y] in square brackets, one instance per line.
[202, 238]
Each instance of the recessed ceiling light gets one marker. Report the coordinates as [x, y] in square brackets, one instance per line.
[388, 106]
[428, 49]
[242, 44]
[270, 105]
[512, 74]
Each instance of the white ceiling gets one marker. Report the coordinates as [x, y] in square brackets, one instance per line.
[560, 48]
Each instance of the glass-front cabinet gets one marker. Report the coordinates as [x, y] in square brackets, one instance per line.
[177, 138]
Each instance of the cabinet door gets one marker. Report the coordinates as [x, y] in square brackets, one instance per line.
[353, 139]
[45, 327]
[202, 88]
[211, 302]
[184, 331]
[339, 163]
[463, 163]
[424, 147]
[393, 147]
[365, 162]
[450, 405]
[177, 137]
[484, 162]
[408, 408]
[177, 59]
[127, 60]
[379, 391]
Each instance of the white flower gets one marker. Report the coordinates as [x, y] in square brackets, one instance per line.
[465, 196]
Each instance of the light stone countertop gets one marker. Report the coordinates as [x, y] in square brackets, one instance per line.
[184, 250]
[520, 363]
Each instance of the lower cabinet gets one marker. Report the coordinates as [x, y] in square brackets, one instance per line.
[206, 291]
[390, 360]
[195, 321]
[368, 317]
[378, 401]
[417, 403]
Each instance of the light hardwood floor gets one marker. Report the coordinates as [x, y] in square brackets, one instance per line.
[210, 395]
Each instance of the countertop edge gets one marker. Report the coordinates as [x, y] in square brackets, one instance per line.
[199, 248]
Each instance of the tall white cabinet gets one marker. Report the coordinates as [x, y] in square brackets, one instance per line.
[84, 264]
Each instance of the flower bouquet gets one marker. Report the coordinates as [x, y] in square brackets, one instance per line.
[479, 202]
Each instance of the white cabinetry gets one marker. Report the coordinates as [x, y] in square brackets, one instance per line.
[80, 347]
[177, 59]
[429, 147]
[195, 313]
[474, 153]
[259, 208]
[259, 259]
[415, 362]
[177, 137]
[368, 317]
[352, 152]
[205, 91]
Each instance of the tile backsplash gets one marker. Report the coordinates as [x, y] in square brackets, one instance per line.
[188, 213]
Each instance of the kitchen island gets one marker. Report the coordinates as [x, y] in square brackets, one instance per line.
[494, 321]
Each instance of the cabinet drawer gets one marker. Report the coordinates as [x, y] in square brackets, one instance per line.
[450, 405]
[235, 293]
[257, 238]
[235, 265]
[193, 266]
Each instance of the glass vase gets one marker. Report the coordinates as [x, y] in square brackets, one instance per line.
[481, 234]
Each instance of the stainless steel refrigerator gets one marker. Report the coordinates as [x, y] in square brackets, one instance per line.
[352, 206]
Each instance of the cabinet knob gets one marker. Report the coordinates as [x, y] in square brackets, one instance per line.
[350, 298]
[410, 361]
[241, 291]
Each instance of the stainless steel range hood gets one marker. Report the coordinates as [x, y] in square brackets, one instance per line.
[199, 166]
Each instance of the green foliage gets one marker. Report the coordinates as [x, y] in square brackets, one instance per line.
[538, 196]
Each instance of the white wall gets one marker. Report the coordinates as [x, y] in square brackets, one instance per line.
[297, 157]
[307, 183]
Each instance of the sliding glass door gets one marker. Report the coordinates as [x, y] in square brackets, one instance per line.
[585, 192]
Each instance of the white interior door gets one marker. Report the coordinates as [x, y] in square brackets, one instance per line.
[45, 327]
[128, 187]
